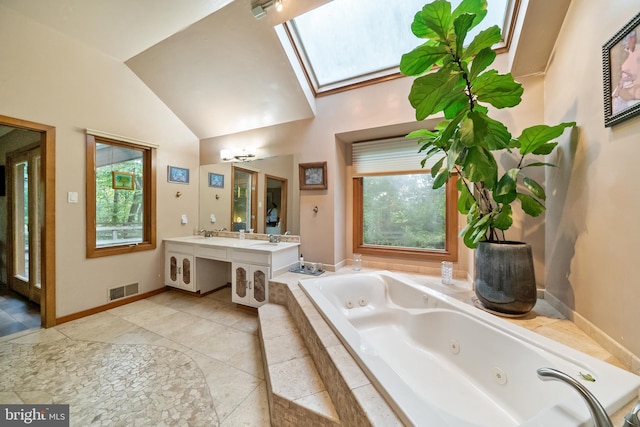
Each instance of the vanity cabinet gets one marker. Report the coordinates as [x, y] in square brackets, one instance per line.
[179, 267]
[250, 284]
[202, 265]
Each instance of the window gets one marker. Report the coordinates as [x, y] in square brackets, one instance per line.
[397, 212]
[120, 197]
[342, 44]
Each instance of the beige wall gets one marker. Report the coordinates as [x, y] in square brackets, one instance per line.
[47, 78]
[376, 111]
[592, 231]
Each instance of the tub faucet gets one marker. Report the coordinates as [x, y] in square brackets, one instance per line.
[598, 413]
[631, 420]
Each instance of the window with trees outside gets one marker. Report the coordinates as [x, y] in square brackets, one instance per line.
[397, 213]
[120, 197]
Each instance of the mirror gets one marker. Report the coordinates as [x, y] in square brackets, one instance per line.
[243, 206]
[274, 183]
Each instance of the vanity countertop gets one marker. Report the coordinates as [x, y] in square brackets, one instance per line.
[228, 242]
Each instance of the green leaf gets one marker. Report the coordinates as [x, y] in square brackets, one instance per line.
[432, 92]
[465, 198]
[473, 130]
[505, 191]
[441, 179]
[420, 29]
[421, 59]
[436, 166]
[538, 164]
[499, 90]
[534, 137]
[484, 39]
[461, 26]
[545, 149]
[480, 165]
[504, 219]
[437, 16]
[421, 133]
[483, 59]
[530, 205]
[535, 188]
[498, 136]
[477, 7]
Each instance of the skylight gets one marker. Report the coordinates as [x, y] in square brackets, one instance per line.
[347, 42]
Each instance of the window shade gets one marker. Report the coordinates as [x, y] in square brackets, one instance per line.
[388, 155]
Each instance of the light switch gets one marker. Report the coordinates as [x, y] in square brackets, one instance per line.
[72, 197]
[212, 218]
[184, 219]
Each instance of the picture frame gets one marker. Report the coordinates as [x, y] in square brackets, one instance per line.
[313, 176]
[178, 175]
[122, 181]
[621, 74]
[216, 180]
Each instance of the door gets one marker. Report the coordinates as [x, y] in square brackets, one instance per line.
[25, 186]
[275, 205]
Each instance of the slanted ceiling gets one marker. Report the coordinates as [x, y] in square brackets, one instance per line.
[219, 69]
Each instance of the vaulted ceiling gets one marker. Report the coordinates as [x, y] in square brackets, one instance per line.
[216, 66]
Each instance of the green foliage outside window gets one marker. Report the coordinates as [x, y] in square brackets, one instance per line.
[119, 213]
[404, 211]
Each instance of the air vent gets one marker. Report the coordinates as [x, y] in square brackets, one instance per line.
[123, 291]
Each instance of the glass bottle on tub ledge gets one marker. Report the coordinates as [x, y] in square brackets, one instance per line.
[357, 262]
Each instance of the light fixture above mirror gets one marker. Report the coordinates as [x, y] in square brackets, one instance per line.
[245, 154]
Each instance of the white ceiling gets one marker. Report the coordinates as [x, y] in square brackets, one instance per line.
[219, 69]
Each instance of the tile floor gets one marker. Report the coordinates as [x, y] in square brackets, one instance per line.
[169, 360]
[16, 313]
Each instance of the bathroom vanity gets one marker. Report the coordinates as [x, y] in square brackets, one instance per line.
[202, 264]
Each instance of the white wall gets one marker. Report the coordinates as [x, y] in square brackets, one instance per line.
[50, 79]
[592, 222]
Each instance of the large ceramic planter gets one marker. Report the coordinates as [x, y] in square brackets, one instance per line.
[505, 281]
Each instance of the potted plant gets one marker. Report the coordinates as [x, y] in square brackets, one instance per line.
[455, 80]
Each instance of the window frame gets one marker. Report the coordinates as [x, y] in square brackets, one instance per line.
[149, 199]
[450, 253]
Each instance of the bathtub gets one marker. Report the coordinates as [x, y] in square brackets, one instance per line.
[440, 362]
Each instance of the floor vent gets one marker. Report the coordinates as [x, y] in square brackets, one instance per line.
[123, 291]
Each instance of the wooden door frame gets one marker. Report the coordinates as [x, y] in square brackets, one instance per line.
[48, 234]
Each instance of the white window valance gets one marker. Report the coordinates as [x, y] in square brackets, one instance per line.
[388, 155]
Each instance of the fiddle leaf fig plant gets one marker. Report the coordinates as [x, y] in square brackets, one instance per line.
[454, 80]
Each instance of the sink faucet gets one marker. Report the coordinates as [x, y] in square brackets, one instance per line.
[207, 233]
[598, 413]
[274, 239]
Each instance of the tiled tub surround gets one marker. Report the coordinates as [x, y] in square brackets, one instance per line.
[346, 383]
[169, 360]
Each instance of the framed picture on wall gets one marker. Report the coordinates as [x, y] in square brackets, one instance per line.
[621, 74]
[178, 175]
[313, 176]
[122, 181]
[216, 180]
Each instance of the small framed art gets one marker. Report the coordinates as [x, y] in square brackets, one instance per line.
[313, 176]
[122, 181]
[178, 175]
[216, 180]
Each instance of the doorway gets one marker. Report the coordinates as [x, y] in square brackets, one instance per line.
[23, 221]
[28, 247]
[275, 204]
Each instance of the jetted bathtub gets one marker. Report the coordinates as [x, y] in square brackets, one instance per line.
[440, 362]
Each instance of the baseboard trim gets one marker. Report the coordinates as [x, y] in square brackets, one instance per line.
[626, 357]
[114, 304]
